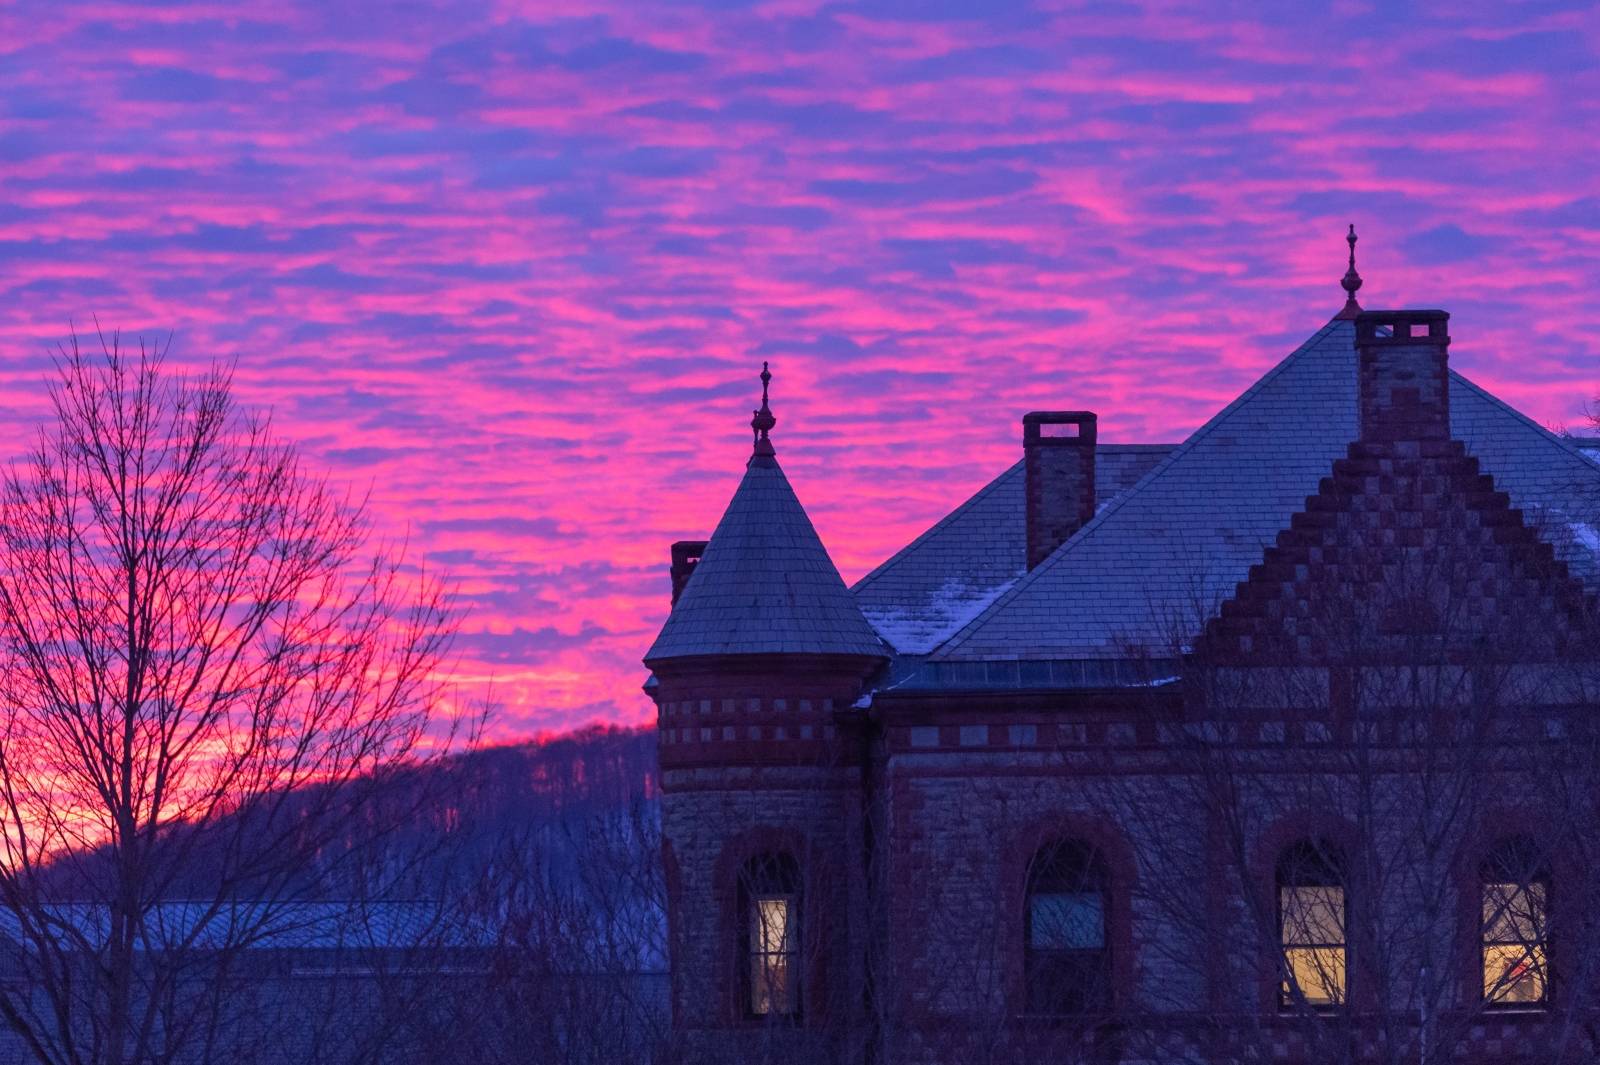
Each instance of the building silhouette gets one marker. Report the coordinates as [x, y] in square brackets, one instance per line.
[1272, 745]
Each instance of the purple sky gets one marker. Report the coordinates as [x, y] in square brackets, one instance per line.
[515, 266]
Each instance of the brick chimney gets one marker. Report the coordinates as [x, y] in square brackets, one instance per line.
[685, 556]
[1058, 460]
[1403, 378]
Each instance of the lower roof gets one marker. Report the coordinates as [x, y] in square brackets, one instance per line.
[947, 576]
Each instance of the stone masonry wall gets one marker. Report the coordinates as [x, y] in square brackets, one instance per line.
[713, 821]
[1191, 833]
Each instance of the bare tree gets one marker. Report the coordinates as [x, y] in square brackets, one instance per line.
[1380, 791]
[553, 949]
[1366, 835]
[209, 677]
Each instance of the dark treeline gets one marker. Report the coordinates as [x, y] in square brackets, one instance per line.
[444, 817]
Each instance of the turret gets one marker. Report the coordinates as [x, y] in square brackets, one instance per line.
[764, 651]
[764, 640]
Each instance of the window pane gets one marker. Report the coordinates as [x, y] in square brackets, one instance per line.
[773, 930]
[1318, 972]
[1066, 961]
[1067, 982]
[772, 949]
[769, 984]
[1513, 973]
[1313, 942]
[1066, 921]
[1312, 915]
[1513, 942]
[1513, 913]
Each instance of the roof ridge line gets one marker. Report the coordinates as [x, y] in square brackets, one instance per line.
[1131, 446]
[772, 583]
[1565, 444]
[991, 486]
[1210, 425]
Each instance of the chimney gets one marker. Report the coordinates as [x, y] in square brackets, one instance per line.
[685, 556]
[1058, 460]
[1403, 378]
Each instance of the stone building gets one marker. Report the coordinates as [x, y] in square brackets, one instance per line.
[1272, 745]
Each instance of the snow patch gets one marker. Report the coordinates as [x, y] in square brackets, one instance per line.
[1586, 534]
[919, 630]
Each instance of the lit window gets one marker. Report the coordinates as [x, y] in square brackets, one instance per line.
[769, 895]
[1516, 899]
[1311, 926]
[1067, 965]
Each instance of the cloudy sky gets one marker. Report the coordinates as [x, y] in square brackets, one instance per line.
[514, 267]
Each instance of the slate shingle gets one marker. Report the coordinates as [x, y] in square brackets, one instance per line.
[1159, 559]
[946, 576]
[765, 584]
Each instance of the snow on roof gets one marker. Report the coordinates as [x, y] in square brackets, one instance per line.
[951, 573]
[1161, 558]
[919, 630]
[1175, 529]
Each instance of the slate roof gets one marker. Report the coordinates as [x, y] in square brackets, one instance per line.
[1402, 540]
[764, 584]
[946, 577]
[1160, 558]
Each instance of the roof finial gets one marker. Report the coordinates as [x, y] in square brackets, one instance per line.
[764, 419]
[1351, 280]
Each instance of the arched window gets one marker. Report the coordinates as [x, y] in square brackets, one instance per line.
[1515, 889]
[1311, 924]
[1067, 965]
[769, 935]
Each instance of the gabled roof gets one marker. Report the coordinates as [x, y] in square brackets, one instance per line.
[765, 584]
[944, 578]
[1160, 559]
[1403, 540]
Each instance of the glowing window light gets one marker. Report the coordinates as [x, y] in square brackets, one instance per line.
[1516, 898]
[772, 954]
[1313, 942]
[770, 936]
[1311, 927]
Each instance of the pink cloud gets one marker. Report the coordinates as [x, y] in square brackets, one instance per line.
[517, 274]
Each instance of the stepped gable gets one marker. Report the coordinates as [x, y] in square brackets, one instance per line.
[1408, 538]
[1416, 540]
[1159, 560]
[764, 584]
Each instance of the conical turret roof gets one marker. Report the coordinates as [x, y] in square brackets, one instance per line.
[764, 583]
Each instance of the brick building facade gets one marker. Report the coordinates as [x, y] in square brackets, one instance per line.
[1272, 745]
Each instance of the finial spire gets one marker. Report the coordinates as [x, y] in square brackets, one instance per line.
[1351, 280]
[764, 419]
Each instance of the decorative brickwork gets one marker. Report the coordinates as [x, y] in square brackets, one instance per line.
[1151, 685]
[1058, 450]
[1403, 541]
[1403, 375]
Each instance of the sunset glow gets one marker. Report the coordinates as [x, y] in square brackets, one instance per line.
[512, 269]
